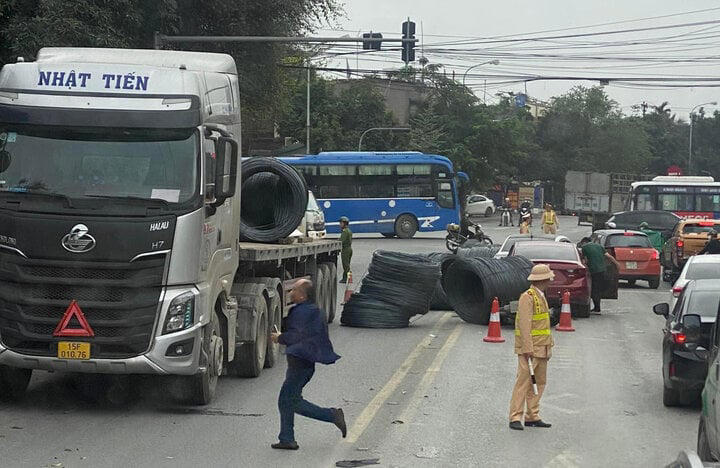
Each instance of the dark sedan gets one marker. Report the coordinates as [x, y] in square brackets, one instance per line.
[686, 339]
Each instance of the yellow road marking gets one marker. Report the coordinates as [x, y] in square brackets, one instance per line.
[368, 414]
[430, 374]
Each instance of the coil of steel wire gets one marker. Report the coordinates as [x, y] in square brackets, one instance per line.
[471, 284]
[274, 197]
[397, 286]
[439, 299]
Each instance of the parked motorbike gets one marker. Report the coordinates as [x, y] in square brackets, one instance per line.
[526, 215]
[455, 239]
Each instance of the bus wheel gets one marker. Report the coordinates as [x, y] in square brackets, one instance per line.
[405, 226]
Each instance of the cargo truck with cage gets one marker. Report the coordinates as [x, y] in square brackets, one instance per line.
[121, 245]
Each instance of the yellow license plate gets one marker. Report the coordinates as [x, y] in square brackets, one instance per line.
[73, 350]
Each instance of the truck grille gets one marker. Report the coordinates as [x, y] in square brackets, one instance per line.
[119, 300]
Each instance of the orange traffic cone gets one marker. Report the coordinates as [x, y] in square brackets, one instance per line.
[565, 315]
[494, 335]
[349, 288]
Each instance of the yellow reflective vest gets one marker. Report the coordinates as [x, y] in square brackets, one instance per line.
[532, 325]
[549, 217]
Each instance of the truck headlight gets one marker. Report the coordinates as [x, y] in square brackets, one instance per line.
[181, 313]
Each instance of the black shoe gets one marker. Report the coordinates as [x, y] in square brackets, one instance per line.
[342, 281]
[516, 425]
[538, 423]
[286, 446]
[339, 421]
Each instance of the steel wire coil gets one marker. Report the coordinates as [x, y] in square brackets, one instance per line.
[274, 197]
[471, 284]
[397, 286]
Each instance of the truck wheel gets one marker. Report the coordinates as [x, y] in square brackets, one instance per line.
[703, 446]
[405, 226]
[13, 382]
[275, 316]
[212, 354]
[580, 310]
[670, 397]
[654, 283]
[333, 294]
[250, 357]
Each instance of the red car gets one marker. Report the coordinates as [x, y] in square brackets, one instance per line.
[570, 273]
[632, 249]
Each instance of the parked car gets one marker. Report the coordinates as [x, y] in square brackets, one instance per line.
[688, 238]
[662, 221]
[570, 273]
[513, 238]
[697, 267]
[637, 257]
[686, 339]
[479, 205]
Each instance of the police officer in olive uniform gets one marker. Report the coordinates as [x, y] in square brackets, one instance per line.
[533, 340]
[346, 252]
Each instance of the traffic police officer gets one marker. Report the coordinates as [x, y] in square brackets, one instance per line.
[549, 220]
[533, 340]
[346, 252]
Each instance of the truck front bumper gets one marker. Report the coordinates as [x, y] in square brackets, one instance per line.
[154, 361]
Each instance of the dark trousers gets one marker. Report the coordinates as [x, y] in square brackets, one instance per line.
[596, 289]
[346, 256]
[291, 401]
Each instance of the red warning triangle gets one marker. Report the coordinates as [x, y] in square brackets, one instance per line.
[73, 311]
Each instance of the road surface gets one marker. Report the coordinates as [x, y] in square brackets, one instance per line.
[433, 395]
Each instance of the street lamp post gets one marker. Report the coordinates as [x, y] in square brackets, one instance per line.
[713, 103]
[388, 129]
[490, 62]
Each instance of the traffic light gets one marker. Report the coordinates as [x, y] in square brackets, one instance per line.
[372, 45]
[408, 48]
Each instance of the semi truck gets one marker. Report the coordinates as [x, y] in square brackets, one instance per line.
[595, 196]
[120, 250]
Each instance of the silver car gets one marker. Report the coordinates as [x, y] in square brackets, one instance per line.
[697, 267]
[479, 205]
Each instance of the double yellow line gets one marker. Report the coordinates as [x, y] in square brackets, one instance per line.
[371, 410]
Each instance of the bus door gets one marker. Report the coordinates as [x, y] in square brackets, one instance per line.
[446, 208]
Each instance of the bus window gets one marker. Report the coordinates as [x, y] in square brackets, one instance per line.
[337, 191]
[644, 202]
[413, 190]
[675, 201]
[375, 191]
[307, 170]
[445, 196]
[338, 170]
[708, 202]
[375, 169]
[413, 169]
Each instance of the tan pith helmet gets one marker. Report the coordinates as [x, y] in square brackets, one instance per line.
[541, 272]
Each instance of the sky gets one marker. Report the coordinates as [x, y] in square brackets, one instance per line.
[460, 33]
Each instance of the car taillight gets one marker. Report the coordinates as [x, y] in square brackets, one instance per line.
[677, 290]
[655, 255]
[680, 244]
[679, 338]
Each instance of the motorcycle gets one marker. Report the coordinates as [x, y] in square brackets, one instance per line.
[455, 239]
[526, 215]
[505, 216]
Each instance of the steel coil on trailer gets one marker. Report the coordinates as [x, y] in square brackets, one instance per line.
[274, 197]
[471, 284]
[397, 286]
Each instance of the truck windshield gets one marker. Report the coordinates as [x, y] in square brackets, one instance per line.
[92, 163]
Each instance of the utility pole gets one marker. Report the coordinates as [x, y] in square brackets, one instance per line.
[307, 112]
[691, 132]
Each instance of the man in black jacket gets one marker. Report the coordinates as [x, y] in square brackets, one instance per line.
[713, 244]
[307, 341]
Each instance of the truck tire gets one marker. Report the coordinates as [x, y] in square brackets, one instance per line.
[654, 283]
[333, 295]
[328, 282]
[250, 356]
[202, 386]
[272, 355]
[13, 382]
[580, 310]
[406, 226]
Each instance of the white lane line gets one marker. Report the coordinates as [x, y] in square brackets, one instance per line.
[368, 414]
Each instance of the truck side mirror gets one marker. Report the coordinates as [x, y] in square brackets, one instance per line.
[226, 164]
[691, 325]
[662, 309]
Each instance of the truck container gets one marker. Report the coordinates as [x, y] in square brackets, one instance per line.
[595, 196]
[120, 250]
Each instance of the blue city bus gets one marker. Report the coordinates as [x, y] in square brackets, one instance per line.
[391, 193]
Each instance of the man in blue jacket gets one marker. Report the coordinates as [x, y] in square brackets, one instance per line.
[307, 341]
